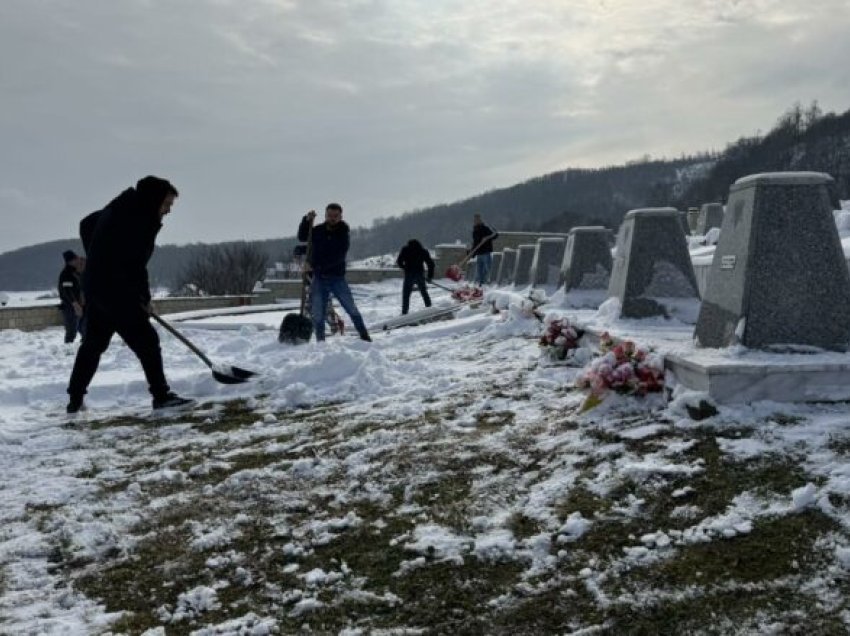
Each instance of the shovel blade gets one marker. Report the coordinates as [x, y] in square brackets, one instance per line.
[295, 329]
[242, 373]
[231, 375]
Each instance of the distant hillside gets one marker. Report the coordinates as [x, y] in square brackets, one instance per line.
[554, 202]
[802, 139]
[37, 267]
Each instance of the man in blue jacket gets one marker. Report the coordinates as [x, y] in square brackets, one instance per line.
[119, 241]
[327, 263]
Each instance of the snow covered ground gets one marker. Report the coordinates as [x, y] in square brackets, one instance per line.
[440, 479]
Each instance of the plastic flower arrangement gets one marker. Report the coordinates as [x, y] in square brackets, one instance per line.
[560, 338]
[623, 368]
[467, 293]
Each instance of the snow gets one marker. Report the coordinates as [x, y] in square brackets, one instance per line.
[505, 423]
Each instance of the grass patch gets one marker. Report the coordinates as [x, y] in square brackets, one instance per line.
[770, 563]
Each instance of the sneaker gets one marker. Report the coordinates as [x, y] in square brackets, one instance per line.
[171, 400]
[75, 405]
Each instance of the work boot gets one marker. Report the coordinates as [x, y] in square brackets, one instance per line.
[75, 404]
[171, 400]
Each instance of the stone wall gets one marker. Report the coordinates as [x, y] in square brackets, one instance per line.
[39, 317]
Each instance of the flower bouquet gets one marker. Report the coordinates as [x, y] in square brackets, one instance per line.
[467, 293]
[559, 340]
[623, 368]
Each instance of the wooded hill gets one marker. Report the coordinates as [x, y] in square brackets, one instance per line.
[802, 139]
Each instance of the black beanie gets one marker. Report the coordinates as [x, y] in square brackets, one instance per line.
[153, 190]
[69, 255]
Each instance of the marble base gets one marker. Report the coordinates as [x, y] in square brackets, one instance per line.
[730, 384]
[818, 377]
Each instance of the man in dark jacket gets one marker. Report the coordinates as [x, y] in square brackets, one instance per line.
[482, 249]
[119, 242]
[412, 259]
[71, 296]
[330, 243]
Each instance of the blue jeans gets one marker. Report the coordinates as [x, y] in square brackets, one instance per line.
[483, 263]
[320, 291]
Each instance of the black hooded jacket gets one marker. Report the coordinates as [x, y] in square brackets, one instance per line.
[119, 242]
[69, 286]
[413, 257]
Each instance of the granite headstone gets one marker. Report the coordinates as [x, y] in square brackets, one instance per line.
[710, 215]
[506, 267]
[586, 268]
[652, 273]
[546, 262]
[778, 278]
[494, 268]
[522, 270]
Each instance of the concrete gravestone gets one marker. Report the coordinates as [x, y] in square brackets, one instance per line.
[710, 215]
[652, 273]
[683, 218]
[506, 267]
[586, 268]
[494, 267]
[779, 276]
[522, 270]
[546, 262]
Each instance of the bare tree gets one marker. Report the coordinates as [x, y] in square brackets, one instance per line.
[220, 270]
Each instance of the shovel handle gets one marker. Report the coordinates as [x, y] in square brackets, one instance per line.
[475, 249]
[182, 339]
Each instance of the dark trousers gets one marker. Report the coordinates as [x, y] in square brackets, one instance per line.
[407, 288]
[130, 322]
[73, 324]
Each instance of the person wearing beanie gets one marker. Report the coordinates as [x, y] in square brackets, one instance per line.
[71, 296]
[119, 241]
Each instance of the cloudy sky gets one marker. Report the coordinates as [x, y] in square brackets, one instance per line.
[259, 110]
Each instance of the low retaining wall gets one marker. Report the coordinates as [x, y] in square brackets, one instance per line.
[39, 317]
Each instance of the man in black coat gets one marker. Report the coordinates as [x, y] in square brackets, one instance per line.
[412, 259]
[326, 261]
[119, 242]
[71, 296]
[482, 249]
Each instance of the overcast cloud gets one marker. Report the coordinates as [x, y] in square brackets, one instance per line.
[259, 110]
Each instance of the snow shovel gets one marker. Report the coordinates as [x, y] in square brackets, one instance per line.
[297, 328]
[448, 289]
[225, 374]
[455, 272]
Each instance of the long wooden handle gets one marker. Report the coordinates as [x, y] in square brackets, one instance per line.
[307, 257]
[475, 249]
[182, 339]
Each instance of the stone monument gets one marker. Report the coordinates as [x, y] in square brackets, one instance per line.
[586, 268]
[710, 215]
[494, 268]
[652, 273]
[522, 270]
[506, 267]
[546, 262]
[779, 276]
